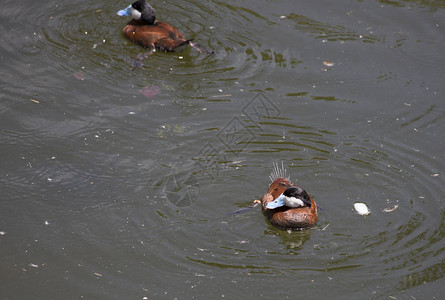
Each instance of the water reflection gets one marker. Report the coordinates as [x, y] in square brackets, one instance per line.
[329, 32]
[430, 272]
[421, 3]
[293, 240]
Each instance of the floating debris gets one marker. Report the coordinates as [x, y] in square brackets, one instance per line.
[150, 91]
[35, 101]
[361, 208]
[324, 228]
[33, 265]
[98, 274]
[390, 209]
[79, 76]
[2, 232]
[328, 63]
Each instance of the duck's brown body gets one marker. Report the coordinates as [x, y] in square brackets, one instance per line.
[286, 217]
[160, 35]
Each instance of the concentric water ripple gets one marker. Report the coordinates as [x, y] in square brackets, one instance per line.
[399, 177]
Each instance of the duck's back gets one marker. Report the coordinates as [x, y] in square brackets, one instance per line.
[161, 35]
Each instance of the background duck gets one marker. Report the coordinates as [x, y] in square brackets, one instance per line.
[149, 33]
[286, 205]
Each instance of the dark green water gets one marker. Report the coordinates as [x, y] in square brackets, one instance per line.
[109, 194]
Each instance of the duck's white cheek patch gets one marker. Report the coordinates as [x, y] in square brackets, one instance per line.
[294, 202]
[361, 208]
[135, 13]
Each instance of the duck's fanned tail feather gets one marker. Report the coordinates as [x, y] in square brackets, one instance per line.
[278, 172]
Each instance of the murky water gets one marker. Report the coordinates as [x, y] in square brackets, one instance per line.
[107, 193]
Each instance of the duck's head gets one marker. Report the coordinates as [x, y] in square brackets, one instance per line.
[292, 197]
[140, 10]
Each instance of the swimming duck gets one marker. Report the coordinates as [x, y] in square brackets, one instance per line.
[149, 33]
[286, 205]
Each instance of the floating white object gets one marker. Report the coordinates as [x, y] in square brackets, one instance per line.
[390, 209]
[361, 208]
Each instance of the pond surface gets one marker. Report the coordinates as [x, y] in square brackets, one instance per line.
[117, 183]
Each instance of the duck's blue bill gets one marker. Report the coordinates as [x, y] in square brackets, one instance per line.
[276, 203]
[125, 12]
